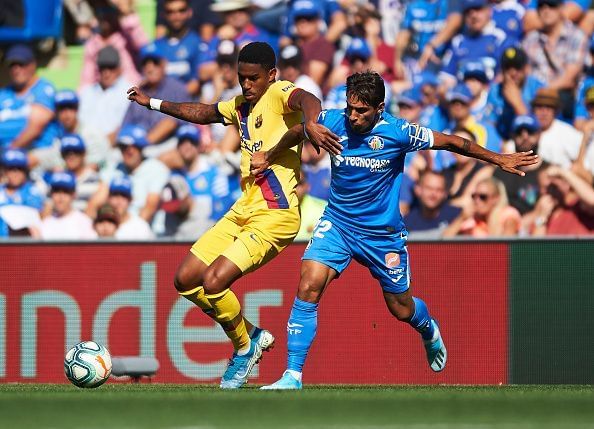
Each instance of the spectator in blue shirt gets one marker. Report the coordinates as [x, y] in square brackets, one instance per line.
[432, 114]
[209, 190]
[27, 108]
[333, 18]
[357, 55]
[476, 78]
[20, 199]
[159, 127]
[514, 94]
[481, 41]
[181, 46]
[432, 214]
[508, 15]
[422, 20]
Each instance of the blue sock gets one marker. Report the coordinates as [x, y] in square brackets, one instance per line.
[301, 330]
[421, 320]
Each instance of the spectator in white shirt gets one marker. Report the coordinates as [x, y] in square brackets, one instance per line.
[65, 222]
[560, 142]
[132, 226]
[148, 175]
[103, 105]
[73, 152]
[107, 221]
[290, 64]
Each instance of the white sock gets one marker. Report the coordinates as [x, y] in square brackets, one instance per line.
[295, 374]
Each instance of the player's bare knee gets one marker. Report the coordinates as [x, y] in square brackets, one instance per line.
[214, 282]
[184, 280]
[310, 290]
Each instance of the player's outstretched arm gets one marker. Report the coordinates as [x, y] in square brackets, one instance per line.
[506, 161]
[197, 113]
[260, 161]
[317, 134]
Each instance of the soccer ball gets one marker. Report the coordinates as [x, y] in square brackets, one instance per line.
[87, 364]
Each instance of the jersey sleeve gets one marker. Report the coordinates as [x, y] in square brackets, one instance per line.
[44, 95]
[227, 111]
[414, 137]
[281, 93]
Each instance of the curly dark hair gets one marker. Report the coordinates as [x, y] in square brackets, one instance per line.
[367, 87]
[258, 53]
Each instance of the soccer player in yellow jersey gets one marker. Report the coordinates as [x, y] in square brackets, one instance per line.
[266, 217]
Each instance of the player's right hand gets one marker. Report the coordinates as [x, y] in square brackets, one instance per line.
[322, 137]
[259, 163]
[135, 94]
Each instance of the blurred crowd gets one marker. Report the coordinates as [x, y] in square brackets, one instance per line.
[81, 163]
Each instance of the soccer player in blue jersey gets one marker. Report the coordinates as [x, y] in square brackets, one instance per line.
[362, 220]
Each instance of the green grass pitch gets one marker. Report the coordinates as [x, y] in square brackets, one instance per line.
[187, 406]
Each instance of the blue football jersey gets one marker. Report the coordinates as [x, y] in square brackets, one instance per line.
[366, 176]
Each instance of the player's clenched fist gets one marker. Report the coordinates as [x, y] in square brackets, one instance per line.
[259, 163]
[135, 94]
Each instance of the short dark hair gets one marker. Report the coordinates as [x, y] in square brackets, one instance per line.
[367, 87]
[258, 53]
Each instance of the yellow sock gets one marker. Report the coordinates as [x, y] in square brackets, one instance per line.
[198, 297]
[228, 314]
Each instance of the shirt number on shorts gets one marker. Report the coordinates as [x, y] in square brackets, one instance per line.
[321, 228]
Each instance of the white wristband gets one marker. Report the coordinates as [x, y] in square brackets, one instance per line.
[155, 104]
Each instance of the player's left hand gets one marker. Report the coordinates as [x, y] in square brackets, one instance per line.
[322, 137]
[258, 163]
[511, 161]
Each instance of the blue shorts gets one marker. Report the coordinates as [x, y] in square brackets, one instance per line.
[386, 257]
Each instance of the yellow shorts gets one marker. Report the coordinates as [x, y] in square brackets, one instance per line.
[249, 240]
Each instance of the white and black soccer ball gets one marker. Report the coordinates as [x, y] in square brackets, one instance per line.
[87, 364]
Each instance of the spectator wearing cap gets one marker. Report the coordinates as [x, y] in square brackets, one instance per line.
[27, 108]
[119, 27]
[475, 76]
[148, 175]
[65, 222]
[358, 55]
[73, 152]
[556, 52]
[290, 64]
[208, 192]
[559, 142]
[131, 226]
[317, 51]
[181, 46]
[102, 107]
[237, 26]
[423, 19]
[66, 105]
[159, 127]
[513, 95]
[332, 19]
[106, 222]
[481, 41]
[459, 100]
[523, 191]
[21, 200]
[433, 115]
